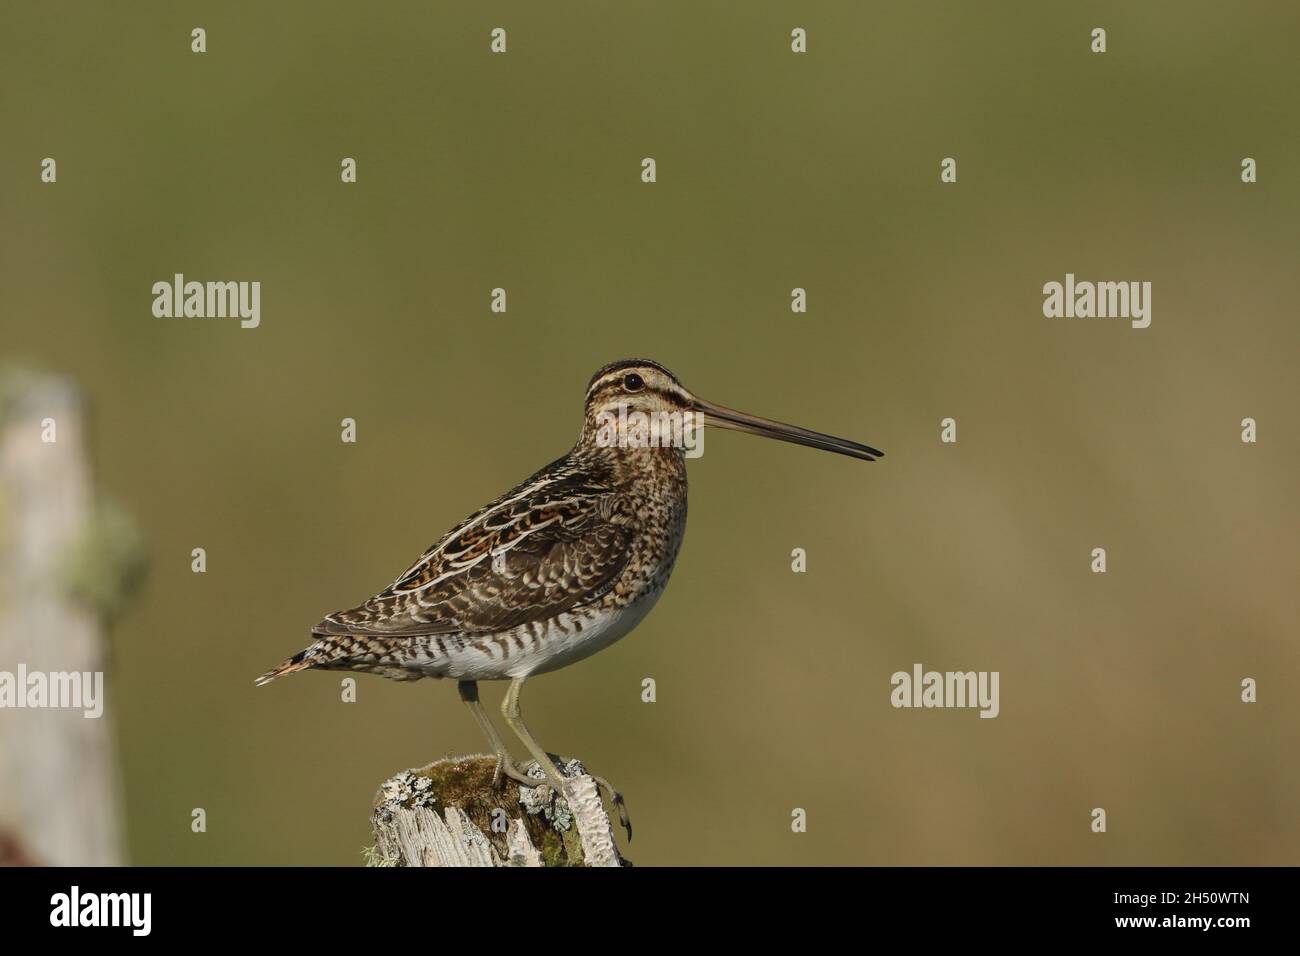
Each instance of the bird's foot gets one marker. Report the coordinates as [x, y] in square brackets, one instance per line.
[559, 770]
[614, 796]
[507, 769]
[620, 804]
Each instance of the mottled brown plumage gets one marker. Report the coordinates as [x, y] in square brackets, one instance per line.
[555, 569]
[581, 540]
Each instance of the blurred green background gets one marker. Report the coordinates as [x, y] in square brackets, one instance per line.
[775, 170]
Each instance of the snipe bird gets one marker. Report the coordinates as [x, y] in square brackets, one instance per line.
[555, 569]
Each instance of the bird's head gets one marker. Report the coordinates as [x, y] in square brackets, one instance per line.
[639, 403]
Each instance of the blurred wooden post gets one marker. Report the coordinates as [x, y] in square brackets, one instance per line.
[58, 777]
[449, 814]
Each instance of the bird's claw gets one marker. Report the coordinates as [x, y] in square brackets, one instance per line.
[619, 803]
[508, 770]
[616, 798]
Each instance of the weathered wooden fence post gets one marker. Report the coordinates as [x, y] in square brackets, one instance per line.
[449, 814]
[58, 776]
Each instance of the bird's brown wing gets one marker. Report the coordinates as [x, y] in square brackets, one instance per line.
[546, 547]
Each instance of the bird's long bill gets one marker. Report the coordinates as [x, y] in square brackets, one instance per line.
[725, 417]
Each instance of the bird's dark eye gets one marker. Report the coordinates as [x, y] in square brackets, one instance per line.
[633, 382]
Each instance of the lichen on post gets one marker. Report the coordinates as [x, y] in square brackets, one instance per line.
[450, 814]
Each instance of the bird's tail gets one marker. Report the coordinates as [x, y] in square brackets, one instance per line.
[299, 662]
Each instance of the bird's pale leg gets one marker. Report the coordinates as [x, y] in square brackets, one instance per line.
[469, 694]
[510, 710]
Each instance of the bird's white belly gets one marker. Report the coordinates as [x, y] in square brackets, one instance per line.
[564, 644]
[522, 653]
